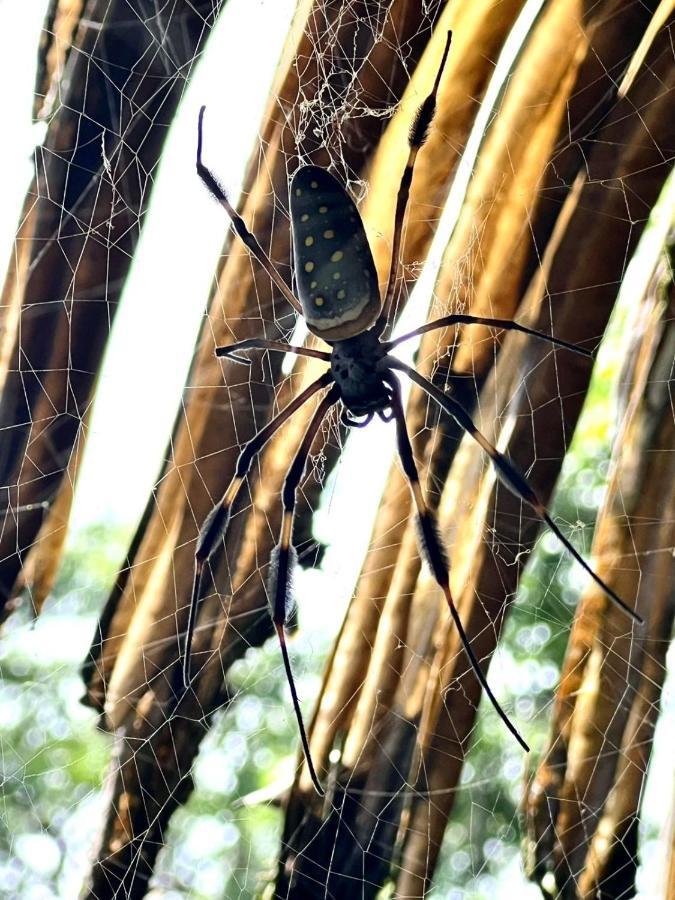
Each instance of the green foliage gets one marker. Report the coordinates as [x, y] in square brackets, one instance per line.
[51, 755]
[224, 843]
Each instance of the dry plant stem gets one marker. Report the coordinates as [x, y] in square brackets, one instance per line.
[133, 835]
[41, 565]
[614, 30]
[581, 816]
[669, 875]
[50, 352]
[627, 150]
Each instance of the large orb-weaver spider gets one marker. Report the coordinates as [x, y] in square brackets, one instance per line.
[340, 301]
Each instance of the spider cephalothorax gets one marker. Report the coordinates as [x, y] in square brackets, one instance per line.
[357, 367]
[340, 301]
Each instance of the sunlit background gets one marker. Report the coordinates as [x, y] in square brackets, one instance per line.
[53, 757]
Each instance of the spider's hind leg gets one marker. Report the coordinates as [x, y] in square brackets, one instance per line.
[284, 558]
[434, 551]
[509, 476]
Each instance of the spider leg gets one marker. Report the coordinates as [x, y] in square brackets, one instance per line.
[351, 422]
[238, 223]
[508, 474]
[506, 324]
[231, 350]
[418, 135]
[434, 551]
[284, 558]
[215, 524]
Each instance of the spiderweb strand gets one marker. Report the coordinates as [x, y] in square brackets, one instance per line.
[215, 525]
[418, 135]
[434, 552]
[247, 237]
[509, 476]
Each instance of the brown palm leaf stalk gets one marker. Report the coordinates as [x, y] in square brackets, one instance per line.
[583, 804]
[585, 253]
[381, 698]
[108, 86]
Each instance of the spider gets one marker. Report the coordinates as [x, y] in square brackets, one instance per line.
[339, 299]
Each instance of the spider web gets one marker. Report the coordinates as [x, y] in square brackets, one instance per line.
[58, 769]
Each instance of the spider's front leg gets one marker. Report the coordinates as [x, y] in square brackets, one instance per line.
[247, 237]
[215, 524]
[284, 558]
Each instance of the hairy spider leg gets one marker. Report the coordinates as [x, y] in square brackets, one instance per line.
[508, 474]
[506, 324]
[434, 552]
[231, 350]
[284, 559]
[215, 524]
[418, 134]
[247, 237]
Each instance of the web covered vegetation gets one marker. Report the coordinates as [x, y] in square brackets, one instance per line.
[563, 134]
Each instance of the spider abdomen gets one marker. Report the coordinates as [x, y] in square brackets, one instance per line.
[334, 268]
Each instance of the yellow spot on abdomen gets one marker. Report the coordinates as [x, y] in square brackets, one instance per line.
[341, 295]
[298, 192]
[323, 209]
[318, 301]
[309, 267]
[329, 233]
[304, 217]
[314, 184]
[309, 241]
[337, 256]
[336, 276]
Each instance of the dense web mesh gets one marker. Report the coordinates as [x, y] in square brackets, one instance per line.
[544, 194]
